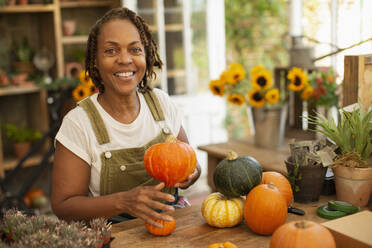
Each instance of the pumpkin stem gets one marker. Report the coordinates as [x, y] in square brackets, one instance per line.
[171, 139]
[271, 185]
[302, 224]
[231, 155]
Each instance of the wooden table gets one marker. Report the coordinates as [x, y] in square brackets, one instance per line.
[270, 159]
[192, 230]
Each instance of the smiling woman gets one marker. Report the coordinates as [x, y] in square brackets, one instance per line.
[99, 170]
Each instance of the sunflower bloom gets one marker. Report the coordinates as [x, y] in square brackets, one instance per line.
[235, 73]
[235, 99]
[256, 69]
[84, 78]
[307, 92]
[272, 96]
[80, 92]
[256, 99]
[261, 79]
[298, 79]
[217, 87]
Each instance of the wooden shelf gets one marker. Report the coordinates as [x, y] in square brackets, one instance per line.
[78, 4]
[17, 90]
[11, 163]
[81, 39]
[29, 8]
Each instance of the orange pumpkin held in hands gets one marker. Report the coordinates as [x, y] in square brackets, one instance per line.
[302, 234]
[168, 227]
[281, 182]
[170, 162]
[265, 209]
[222, 245]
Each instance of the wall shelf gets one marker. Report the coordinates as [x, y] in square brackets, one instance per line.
[16, 90]
[30, 8]
[79, 4]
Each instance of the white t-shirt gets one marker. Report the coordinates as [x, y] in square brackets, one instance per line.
[77, 135]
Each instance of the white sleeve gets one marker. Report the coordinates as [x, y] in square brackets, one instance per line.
[72, 136]
[173, 115]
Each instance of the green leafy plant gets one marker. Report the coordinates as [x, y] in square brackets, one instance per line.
[352, 133]
[23, 51]
[293, 177]
[20, 134]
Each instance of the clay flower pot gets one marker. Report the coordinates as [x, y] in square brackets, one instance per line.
[353, 185]
[21, 149]
[68, 27]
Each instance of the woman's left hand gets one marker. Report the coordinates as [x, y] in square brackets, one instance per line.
[190, 180]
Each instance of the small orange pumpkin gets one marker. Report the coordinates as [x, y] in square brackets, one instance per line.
[302, 234]
[31, 194]
[222, 245]
[265, 209]
[170, 162]
[281, 182]
[168, 227]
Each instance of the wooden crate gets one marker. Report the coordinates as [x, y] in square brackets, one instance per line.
[357, 80]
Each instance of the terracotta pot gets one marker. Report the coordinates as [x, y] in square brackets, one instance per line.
[22, 2]
[68, 27]
[353, 185]
[21, 149]
[24, 66]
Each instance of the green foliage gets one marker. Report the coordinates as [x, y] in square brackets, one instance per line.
[293, 177]
[20, 134]
[58, 84]
[352, 133]
[255, 30]
[23, 51]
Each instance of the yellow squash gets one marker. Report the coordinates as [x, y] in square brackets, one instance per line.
[221, 211]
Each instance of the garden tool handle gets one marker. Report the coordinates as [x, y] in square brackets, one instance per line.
[297, 211]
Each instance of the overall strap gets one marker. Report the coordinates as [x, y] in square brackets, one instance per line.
[154, 105]
[96, 121]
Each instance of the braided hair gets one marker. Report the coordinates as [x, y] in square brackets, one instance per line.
[151, 50]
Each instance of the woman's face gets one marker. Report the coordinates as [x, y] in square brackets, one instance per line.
[121, 57]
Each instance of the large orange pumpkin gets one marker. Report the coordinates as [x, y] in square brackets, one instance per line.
[265, 209]
[222, 245]
[281, 182]
[302, 234]
[170, 162]
[168, 227]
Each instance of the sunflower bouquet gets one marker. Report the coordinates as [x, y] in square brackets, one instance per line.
[298, 82]
[233, 84]
[85, 88]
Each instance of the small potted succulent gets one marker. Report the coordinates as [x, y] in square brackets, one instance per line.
[21, 137]
[352, 166]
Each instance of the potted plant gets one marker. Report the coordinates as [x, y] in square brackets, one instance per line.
[21, 137]
[352, 166]
[23, 57]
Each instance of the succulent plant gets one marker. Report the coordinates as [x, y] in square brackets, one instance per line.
[45, 231]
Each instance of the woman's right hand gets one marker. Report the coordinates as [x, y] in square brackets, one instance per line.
[141, 202]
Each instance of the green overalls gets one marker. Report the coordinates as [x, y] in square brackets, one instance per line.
[123, 169]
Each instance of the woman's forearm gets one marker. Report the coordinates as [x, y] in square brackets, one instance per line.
[85, 208]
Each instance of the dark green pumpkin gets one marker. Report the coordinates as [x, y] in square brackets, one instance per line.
[236, 176]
